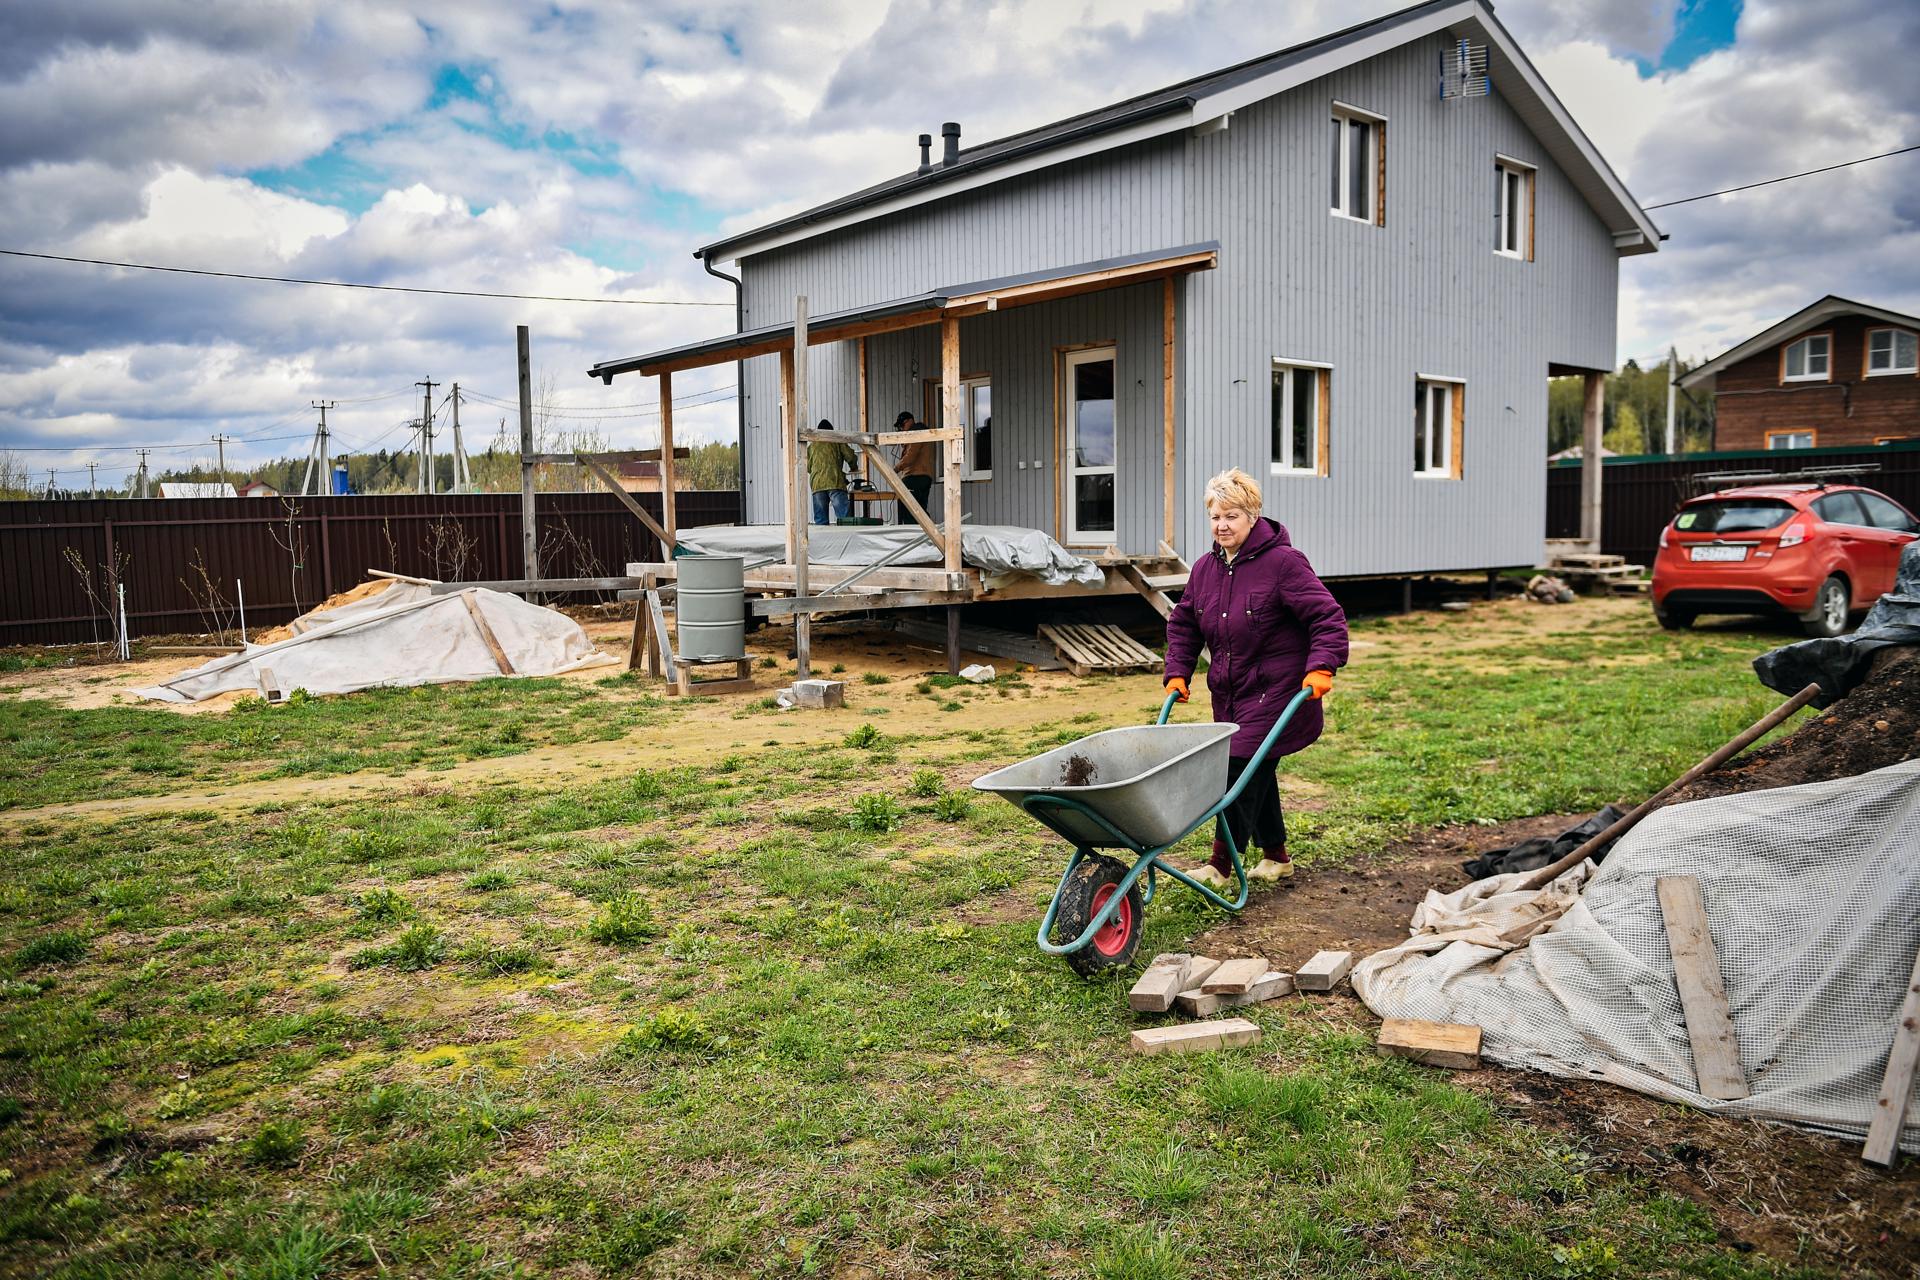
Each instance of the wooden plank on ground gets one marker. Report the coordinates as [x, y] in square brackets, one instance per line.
[1438, 1044]
[1270, 985]
[1324, 971]
[1157, 987]
[1896, 1087]
[1703, 995]
[500, 659]
[1233, 977]
[1195, 1037]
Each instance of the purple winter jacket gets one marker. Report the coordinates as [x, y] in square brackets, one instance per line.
[1268, 620]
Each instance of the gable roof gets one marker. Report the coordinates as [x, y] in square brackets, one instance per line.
[1799, 322]
[1217, 94]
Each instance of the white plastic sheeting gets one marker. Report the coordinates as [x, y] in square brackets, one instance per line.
[1001, 551]
[1813, 900]
[411, 637]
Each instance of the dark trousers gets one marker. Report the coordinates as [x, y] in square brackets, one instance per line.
[1254, 818]
[920, 487]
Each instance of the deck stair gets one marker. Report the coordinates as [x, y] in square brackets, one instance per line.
[1154, 586]
[1090, 647]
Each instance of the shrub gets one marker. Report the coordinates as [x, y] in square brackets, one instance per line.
[875, 813]
[625, 918]
[64, 946]
[926, 783]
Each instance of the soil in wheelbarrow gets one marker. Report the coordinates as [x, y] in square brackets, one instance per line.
[1798, 1199]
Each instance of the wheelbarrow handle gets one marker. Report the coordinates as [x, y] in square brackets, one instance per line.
[1266, 744]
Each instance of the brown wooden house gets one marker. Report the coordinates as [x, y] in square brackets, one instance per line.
[1835, 373]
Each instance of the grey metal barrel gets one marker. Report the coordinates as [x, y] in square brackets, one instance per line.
[712, 607]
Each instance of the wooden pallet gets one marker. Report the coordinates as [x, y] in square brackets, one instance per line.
[992, 641]
[1586, 560]
[1090, 647]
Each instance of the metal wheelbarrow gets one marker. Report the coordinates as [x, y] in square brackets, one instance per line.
[1143, 789]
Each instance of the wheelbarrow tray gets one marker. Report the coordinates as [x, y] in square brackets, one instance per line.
[1151, 782]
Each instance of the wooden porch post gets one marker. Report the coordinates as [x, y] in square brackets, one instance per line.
[1166, 415]
[1591, 463]
[789, 444]
[668, 517]
[865, 471]
[953, 444]
[802, 498]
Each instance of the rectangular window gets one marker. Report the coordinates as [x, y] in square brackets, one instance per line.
[1358, 166]
[976, 411]
[1790, 439]
[1439, 408]
[1892, 351]
[1808, 359]
[1299, 418]
[1513, 209]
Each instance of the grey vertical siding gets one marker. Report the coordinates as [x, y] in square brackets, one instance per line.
[1426, 293]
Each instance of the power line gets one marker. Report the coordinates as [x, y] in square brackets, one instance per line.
[1787, 178]
[349, 284]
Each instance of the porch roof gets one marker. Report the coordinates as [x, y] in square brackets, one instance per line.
[923, 309]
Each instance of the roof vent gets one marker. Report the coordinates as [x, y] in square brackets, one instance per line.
[1463, 71]
[950, 134]
[926, 154]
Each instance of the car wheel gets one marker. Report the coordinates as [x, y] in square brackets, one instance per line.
[1829, 609]
[1673, 619]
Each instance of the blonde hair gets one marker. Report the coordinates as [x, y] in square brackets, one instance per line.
[1235, 490]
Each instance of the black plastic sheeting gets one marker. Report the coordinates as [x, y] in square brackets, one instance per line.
[1841, 663]
[1531, 855]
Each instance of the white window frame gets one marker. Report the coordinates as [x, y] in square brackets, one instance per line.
[1070, 469]
[1347, 116]
[1426, 385]
[1519, 229]
[1317, 373]
[1893, 352]
[1826, 359]
[1774, 439]
[967, 387]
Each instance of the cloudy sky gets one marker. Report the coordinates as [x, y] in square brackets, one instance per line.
[586, 148]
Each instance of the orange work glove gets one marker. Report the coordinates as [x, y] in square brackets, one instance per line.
[1179, 685]
[1321, 682]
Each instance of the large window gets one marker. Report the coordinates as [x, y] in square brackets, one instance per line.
[1892, 351]
[1299, 418]
[1439, 417]
[1807, 360]
[1513, 209]
[1359, 166]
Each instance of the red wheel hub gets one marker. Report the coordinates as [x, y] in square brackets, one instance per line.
[1111, 939]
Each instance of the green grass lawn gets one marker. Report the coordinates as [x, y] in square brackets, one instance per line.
[781, 1015]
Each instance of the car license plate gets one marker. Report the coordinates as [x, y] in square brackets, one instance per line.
[1719, 553]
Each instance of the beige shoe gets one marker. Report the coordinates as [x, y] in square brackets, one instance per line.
[1270, 869]
[1209, 875]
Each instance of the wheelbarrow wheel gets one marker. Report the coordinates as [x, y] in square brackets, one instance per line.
[1088, 890]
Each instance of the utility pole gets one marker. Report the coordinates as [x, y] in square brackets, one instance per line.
[460, 477]
[93, 489]
[529, 542]
[429, 482]
[50, 475]
[1673, 372]
[319, 451]
[221, 442]
[143, 470]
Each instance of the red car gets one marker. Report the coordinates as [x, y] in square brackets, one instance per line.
[1816, 551]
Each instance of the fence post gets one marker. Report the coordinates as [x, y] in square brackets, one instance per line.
[326, 554]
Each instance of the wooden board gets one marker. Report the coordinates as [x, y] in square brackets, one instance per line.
[1324, 971]
[1090, 647]
[1195, 1037]
[1703, 996]
[1157, 987]
[1233, 977]
[486, 633]
[1031, 650]
[1271, 985]
[1438, 1044]
[1896, 1087]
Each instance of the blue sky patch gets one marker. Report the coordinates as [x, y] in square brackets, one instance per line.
[1701, 27]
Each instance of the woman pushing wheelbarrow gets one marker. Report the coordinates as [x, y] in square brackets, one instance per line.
[1276, 637]
[1271, 627]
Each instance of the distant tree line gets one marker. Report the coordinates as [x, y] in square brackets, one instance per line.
[1634, 417]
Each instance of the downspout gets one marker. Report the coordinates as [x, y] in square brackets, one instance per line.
[739, 378]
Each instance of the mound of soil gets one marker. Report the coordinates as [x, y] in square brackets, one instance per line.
[371, 587]
[1876, 725]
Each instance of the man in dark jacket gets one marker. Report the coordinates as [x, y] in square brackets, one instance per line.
[1273, 629]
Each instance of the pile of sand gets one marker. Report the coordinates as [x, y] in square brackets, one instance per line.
[371, 587]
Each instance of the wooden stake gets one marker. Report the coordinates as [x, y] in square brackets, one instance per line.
[668, 507]
[802, 499]
[1703, 996]
[1896, 1087]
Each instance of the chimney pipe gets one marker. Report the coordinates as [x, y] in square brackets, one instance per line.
[926, 156]
[950, 134]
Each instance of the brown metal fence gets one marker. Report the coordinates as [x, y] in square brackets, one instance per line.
[179, 558]
[1639, 495]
